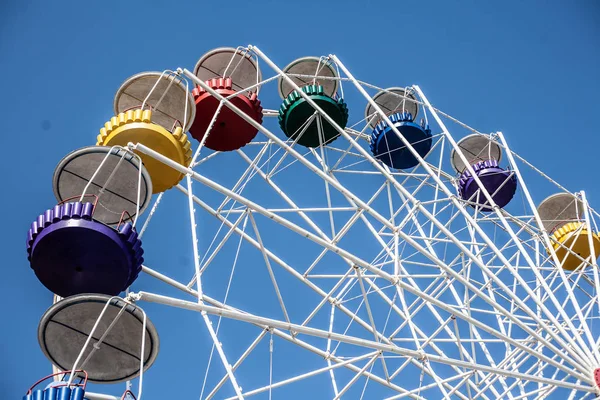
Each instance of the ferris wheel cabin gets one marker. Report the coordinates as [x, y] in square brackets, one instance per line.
[227, 71]
[483, 155]
[401, 108]
[154, 109]
[570, 237]
[317, 79]
[89, 247]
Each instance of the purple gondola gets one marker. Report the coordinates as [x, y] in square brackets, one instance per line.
[71, 252]
[483, 155]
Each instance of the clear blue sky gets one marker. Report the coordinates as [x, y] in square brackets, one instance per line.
[528, 69]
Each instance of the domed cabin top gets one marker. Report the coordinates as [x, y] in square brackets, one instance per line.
[65, 327]
[558, 210]
[166, 94]
[309, 71]
[476, 148]
[227, 62]
[113, 175]
[392, 101]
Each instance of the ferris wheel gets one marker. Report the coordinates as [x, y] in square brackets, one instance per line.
[391, 253]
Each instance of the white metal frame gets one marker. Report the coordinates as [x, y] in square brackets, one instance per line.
[503, 322]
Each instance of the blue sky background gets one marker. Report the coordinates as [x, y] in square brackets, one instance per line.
[528, 69]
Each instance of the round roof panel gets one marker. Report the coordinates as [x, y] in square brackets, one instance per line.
[66, 325]
[75, 171]
[167, 100]
[391, 101]
[475, 148]
[316, 68]
[237, 64]
[559, 209]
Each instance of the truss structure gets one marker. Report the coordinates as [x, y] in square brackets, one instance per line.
[343, 277]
